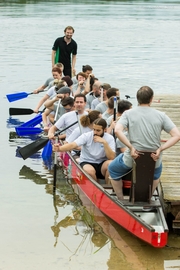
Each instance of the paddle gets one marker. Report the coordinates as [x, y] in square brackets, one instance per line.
[35, 121]
[25, 131]
[17, 96]
[21, 111]
[32, 148]
[55, 154]
[47, 151]
[114, 116]
[30, 124]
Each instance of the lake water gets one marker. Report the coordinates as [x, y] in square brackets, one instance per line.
[128, 44]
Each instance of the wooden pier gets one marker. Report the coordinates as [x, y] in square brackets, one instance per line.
[170, 178]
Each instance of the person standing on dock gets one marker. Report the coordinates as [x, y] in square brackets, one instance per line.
[62, 49]
[144, 126]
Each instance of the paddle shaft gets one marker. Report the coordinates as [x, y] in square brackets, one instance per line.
[55, 154]
[114, 116]
[55, 168]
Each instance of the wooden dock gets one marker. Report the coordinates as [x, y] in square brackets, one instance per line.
[170, 178]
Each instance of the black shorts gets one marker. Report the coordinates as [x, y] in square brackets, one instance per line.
[96, 166]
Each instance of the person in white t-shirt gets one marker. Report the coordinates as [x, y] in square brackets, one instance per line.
[86, 125]
[52, 105]
[71, 117]
[97, 150]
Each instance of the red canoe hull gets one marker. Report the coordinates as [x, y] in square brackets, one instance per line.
[115, 210]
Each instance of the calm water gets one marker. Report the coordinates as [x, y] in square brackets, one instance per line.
[129, 44]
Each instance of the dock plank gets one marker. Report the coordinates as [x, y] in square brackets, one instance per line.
[170, 177]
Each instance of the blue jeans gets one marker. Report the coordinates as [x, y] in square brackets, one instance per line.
[117, 169]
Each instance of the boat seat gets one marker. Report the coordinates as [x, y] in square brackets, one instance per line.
[153, 204]
[142, 178]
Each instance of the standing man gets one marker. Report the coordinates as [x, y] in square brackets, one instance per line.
[62, 49]
[144, 126]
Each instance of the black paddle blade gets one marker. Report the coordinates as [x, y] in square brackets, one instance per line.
[32, 148]
[20, 111]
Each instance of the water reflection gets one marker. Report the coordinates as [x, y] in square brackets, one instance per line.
[81, 222]
[28, 173]
[83, 225]
[13, 122]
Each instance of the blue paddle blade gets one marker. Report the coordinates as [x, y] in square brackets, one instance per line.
[47, 150]
[24, 131]
[33, 122]
[17, 96]
[48, 162]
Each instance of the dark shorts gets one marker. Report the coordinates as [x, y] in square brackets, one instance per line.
[96, 166]
[67, 72]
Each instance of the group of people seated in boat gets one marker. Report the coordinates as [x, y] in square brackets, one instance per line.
[107, 131]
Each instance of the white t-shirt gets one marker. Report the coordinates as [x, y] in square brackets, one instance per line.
[91, 151]
[51, 92]
[67, 119]
[77, 132]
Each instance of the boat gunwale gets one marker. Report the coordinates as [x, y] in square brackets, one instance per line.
[118, 202]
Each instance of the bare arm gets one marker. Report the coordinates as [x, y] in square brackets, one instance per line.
[40, 88]
[73, 64]
[122, 137]
[78, 91]
[40, 103]
[175, 137]
[110, 154]
[65, 147]
[87, 86]
[50, 102]
[53, 57]
[45, 119]
[51, 132]
[111, 127]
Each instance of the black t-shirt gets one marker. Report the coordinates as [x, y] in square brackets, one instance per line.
[64, 51]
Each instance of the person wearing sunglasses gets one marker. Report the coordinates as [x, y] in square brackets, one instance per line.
[51, 106]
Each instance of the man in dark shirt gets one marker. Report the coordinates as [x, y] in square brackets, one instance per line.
[62, 49]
